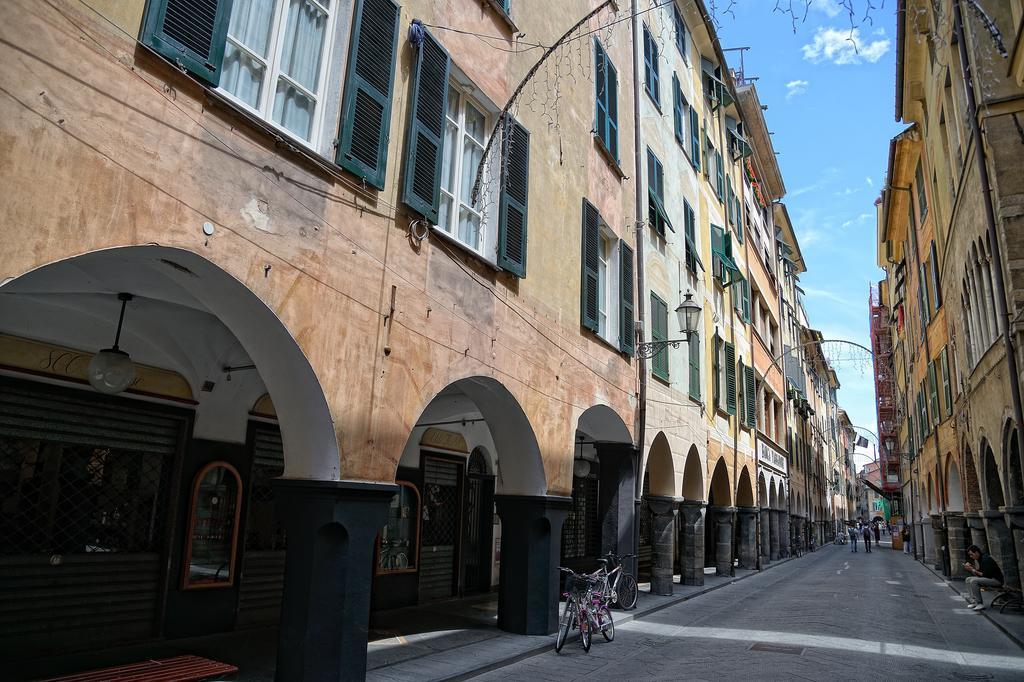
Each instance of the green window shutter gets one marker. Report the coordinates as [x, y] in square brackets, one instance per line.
[933, 394]
[515, 190]
[690, 232]
[730, 378]
[729, 215]
[680, 26]
[717, 246]
[716, 371]
[936, 288]
[651, 76]
[694, 138]
[591, 257]
[921, 196]
[947, 382]
[677, 109]
[750, 395]
[627, 333]
[606, 83]
[366, 106]
[694, 352]
[745, 301]
[659, 332]
[190, 33]
[719, 175]
[425, 144]
[742, 399]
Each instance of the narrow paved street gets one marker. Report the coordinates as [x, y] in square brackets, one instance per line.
[829, 615]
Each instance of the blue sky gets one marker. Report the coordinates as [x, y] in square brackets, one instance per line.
[831, 111]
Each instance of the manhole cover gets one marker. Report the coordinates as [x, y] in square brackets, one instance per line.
[777, 648]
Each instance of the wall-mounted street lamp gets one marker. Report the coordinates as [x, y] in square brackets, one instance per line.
[688, 313]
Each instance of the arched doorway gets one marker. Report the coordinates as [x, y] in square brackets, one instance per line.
[1013, 465]
[993, 486]
[954, 491]
[449, 532]
[972, 497]
[659, 481]
[692, 520]
[167, 482]
[718, 538]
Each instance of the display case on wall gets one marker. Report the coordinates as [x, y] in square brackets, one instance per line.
[398, 542]
[213, 527]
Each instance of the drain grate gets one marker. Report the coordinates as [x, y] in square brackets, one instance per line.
[777, 648]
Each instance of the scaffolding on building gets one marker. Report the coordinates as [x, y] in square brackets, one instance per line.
[885, 392]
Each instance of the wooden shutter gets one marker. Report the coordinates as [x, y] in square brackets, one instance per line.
[742, 399]
[719, 174]
[933, 394]
[936, 287]
[947, 382]
[694, 352]
[425, 144]
[591, 257]
[730, 378]
[750, 395]
[514, 199]
[366, 107]
[746, 301]
[651, 66]
[627, 330]
[191, 33]
[677, 109]
[730, 216]
[716, 371]
[659, 332]
[600, 92]
[690, 235]
[606, 84]
[694, 138]
[612, 81]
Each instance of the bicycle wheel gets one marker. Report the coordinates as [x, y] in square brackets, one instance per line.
[626, 592]
[607, 624]
[586, 630]
[564, 627]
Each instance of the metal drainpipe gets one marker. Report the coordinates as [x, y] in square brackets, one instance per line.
[993, 237]
[641, 363]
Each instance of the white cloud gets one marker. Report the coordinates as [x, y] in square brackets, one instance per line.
[847, 192]
[867, 179]
[878, 32]
[796, 87]
[830, 8]
[843, 47]
[853, 221]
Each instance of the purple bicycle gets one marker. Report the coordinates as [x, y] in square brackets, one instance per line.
[586, 608]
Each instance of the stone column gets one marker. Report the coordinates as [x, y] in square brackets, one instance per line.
[723, 539]
[783, 534]
[939, 542]
[1015, 522]
[616, 493]
[766, 535]
[774, 533]
[746, 527]
[924, 537]
[691, 542]
[976, 531]
[663, 516]
[531, 548]
[956, 540]
[1000, 545]
[325, 606]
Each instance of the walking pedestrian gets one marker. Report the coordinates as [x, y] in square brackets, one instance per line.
[853, 538]
[905, 534]
[867, 538]
[878, 532]
[986, 573]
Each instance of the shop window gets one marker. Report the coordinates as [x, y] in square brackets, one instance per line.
[213, 527]
[398, 542]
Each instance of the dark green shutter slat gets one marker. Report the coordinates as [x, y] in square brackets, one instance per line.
[694, 138]
[627, 342]
[659, 332]
[366, 108]
[947, 382]
[730, 378]
[191, 33]
[716, 371]
[612, 79]
[422, 187]
[750, 393]
[591, 257]
[694, 352]
[515, 189]
[677, 109]
[601, 92]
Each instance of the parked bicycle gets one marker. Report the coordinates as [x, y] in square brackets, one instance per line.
[619, 586]
[582, 603]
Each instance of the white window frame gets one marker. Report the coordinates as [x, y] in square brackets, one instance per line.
[608, 285]
[487, 245]
[272, 72]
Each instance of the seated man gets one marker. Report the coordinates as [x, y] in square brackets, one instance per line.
[985, 572]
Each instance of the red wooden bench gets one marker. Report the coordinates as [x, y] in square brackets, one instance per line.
[174, 669]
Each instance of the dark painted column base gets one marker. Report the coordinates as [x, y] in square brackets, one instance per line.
[783, 534]
[766, 533]
[976, 531]
[691, 542]
[663, 516]
[956, 540]
[531, 534]
[939, 553]
[746, 527]
[1000, 544]
[1015, 522]
[774, 532]
[325, 609]
[723, 539]
[616, 497]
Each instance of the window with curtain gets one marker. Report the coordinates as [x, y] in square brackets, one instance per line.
[603, 270]
[275, 61]
[464, 141]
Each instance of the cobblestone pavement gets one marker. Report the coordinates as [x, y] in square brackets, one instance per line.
[829, 615]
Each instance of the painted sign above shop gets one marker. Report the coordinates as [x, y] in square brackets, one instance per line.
[771, 456]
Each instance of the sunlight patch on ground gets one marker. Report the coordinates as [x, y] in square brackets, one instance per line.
[1011, 663]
